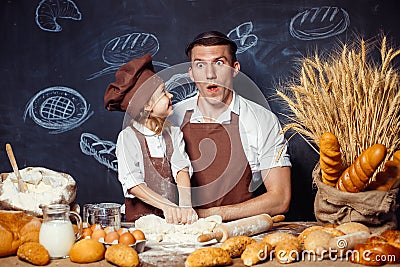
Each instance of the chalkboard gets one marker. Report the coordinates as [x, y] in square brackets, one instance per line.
[57, 58]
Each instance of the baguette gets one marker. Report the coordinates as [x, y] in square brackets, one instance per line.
[388, 178]
[330, 158]
[396, 156]
[357, 176]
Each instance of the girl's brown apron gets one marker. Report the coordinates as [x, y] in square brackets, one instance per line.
[222, 173]
[158, 177]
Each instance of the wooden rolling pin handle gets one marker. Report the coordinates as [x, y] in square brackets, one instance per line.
[213, 235]
[278, 218]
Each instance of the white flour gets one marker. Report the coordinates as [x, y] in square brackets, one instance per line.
[44, 187]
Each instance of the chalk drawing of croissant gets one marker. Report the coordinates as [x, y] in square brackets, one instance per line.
[48, 11]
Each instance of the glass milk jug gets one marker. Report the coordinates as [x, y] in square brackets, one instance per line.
[56, 233]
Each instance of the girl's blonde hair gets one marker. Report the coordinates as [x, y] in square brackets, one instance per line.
[155, 124]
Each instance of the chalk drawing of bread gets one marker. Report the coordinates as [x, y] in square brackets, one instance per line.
[48, 11]
[58, 108]
[102, 150]
[319, 23]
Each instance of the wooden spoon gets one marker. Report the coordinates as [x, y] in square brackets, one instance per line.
[21, 185]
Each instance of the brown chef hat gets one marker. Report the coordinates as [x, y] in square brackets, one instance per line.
[135, 83]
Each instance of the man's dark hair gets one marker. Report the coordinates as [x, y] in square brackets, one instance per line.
[212, 38]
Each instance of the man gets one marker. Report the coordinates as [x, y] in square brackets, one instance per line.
[234, 144]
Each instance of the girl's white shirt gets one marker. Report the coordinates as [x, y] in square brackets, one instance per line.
[130, 154]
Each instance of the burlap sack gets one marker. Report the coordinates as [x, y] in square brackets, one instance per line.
[375, 209]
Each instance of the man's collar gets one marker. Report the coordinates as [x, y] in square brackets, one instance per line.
[234, 106]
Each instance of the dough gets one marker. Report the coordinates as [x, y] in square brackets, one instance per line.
[156, 228]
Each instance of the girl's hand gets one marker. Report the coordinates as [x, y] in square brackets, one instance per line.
[179, 215]
[172, 213]
[188, 215]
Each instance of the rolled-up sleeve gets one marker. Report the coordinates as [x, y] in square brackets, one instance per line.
[272, 147]
[180, 158]
[130, 161]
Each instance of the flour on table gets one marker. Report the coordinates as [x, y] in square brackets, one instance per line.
[156, 228]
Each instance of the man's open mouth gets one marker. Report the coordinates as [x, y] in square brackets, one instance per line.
[212, 87]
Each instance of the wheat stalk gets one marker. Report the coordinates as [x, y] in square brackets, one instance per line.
[349, 95]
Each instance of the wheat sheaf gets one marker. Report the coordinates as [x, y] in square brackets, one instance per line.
[349, 95]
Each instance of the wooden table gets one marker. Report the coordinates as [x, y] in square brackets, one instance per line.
[174, 255]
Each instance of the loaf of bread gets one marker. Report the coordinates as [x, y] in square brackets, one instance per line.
[357, 176]
[208, 256]
[30, 231]
[330, 158]
[34, 253]
[86, 251]
[16, 227]
[255, 253]
[236, 245]
[122, 255]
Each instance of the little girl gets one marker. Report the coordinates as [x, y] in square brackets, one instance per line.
[153, 167]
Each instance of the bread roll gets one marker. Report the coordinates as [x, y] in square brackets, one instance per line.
[208, 256]
[285, 246]
[275, 238]
[34, 253]
[122, 255]
[304, 234]
[287, 251]
[330, 158]
[356, 177]
[236, 245]
[86, 251]
[317, 242]
[256, 252]
[352, 227]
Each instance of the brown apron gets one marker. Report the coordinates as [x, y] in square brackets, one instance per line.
[158, 177]
[222, 174]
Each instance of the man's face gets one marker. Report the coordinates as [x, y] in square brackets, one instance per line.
[212, 71]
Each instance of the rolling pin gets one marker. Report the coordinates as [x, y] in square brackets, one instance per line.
[246, 226]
